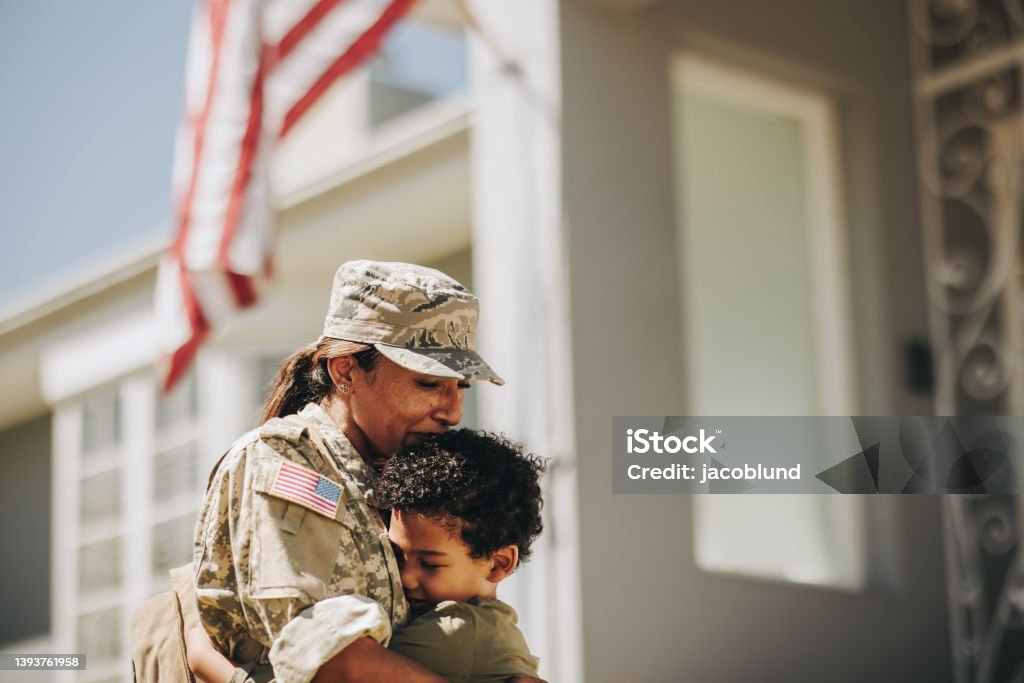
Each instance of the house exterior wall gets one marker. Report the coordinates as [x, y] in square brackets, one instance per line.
[519, 242]
[666, 620]
[25, 504]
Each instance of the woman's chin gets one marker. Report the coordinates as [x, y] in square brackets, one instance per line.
[413, 438]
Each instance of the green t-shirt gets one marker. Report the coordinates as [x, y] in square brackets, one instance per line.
[467, 642]
[464, 642]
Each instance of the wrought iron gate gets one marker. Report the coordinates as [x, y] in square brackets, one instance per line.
[968, 61]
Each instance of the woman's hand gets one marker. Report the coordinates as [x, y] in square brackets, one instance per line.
[206, 661]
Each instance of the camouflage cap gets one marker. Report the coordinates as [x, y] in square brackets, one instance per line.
[416, 317]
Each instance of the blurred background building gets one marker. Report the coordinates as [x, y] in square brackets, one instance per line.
[666, 207]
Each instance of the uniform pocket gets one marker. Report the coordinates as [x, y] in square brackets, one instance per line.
[294, 550]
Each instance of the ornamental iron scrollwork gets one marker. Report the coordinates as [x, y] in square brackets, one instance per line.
[968, 65]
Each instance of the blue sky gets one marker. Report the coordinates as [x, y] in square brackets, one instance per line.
[92, 94]
[91, 99]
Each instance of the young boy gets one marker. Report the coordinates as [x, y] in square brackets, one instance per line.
[465, 508]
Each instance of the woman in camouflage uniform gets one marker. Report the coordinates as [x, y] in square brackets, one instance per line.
[292, 560]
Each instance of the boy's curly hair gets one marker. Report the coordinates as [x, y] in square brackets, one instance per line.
[477, 483]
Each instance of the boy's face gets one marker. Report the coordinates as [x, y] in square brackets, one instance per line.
[435, 565]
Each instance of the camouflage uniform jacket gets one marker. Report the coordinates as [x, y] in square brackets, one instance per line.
[263, 561]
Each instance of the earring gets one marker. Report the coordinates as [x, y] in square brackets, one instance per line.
[344, 388]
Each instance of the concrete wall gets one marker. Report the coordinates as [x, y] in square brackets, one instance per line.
[648, 613]
[25, 479]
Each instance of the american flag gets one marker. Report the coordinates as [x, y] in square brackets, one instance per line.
[254, 68]
[307, 488]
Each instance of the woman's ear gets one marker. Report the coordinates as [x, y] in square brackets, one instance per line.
[340, 369]
[503, 562]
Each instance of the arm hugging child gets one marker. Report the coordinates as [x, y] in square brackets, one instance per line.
[465, 510]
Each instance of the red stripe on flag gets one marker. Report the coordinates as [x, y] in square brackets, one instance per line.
[302, 29]
[305, 499]
[218, 20]
[302, 490]
[182, 356]
[243, 291]
[292, 471]
[355, 55]
[298, 484]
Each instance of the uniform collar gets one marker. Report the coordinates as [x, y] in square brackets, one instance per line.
[343, 452]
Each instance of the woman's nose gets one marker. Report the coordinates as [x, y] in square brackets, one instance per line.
[450, 408]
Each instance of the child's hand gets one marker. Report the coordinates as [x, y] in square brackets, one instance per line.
[206, 662]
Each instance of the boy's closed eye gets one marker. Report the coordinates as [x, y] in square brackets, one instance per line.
[400, 556]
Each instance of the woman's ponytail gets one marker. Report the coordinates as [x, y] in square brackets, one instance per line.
[303, 377]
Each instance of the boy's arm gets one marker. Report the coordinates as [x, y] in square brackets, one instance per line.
[206, 661]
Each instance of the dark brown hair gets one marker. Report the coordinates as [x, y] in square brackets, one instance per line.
[480, 485]
[303, 377]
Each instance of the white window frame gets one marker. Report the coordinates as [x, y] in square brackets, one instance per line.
[826, 253]
[120, 354]
[831, 298]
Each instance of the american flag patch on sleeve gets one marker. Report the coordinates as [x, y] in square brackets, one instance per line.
[307, 488]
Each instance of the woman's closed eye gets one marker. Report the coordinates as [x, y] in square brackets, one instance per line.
[430, 384]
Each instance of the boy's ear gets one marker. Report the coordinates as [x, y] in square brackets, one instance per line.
[503, 562]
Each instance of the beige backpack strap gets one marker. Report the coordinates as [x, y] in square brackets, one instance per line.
[184, 585]
[158, 640]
